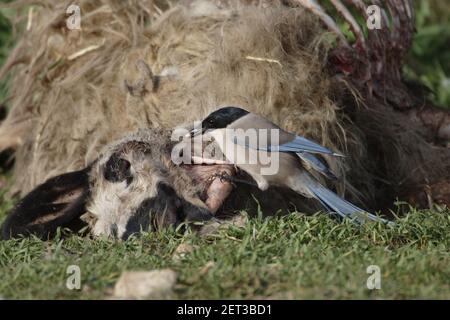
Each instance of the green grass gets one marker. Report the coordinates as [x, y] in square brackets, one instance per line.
[295, 257]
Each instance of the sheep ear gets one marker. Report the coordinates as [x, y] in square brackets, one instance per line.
[58, 202]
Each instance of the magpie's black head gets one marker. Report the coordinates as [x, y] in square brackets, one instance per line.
[222, 118]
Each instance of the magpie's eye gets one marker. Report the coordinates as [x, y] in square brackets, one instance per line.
[117, 169]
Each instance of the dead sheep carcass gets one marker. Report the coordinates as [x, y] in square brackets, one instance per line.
[79, 96]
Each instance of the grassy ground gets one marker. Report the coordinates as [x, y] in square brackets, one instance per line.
[288, 257]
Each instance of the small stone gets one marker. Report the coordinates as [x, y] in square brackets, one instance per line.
[155, 284]
[208, 266]
[209, 228]
[182, 251]
[86, 289]
[239, 221]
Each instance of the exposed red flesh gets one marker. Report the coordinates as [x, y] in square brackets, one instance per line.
[216, 189]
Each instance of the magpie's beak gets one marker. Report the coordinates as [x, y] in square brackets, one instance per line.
[194, 132]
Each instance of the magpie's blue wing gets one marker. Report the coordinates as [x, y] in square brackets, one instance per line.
[298, 144]
[316, 164]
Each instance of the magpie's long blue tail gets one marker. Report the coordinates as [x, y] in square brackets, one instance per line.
[333, 203]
